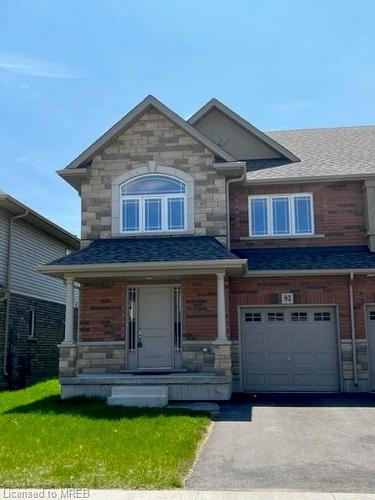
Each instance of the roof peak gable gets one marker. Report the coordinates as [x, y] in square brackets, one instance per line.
[126, 121]
[244, 124]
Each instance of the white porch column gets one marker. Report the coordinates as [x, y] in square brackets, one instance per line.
[221, 318]
[69, 311]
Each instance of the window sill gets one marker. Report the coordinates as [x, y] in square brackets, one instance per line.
[152, 233]
[284, 237]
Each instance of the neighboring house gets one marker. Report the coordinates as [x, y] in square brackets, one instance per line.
[217, 257]
[32, 306]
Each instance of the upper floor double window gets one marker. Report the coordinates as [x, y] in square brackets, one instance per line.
[281, 215]
[153, 203]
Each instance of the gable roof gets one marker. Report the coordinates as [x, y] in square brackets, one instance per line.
[150, 101]
[347, 152]
[264, 138]
[15, 207]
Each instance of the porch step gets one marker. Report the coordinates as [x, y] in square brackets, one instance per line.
[139, 395]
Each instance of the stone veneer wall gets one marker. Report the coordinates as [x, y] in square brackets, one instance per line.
[153, 138]
[100, 357]
[347, 360]
[198, 356]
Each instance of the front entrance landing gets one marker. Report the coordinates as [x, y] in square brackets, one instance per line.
[181, 386]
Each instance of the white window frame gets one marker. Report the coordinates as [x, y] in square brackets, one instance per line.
[292, 221]
[164, 208]
[31, 324]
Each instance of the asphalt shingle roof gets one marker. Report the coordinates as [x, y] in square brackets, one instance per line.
[156, 249]
[331, 257]
[323, 151]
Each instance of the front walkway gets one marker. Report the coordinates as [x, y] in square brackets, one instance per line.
[293, 443]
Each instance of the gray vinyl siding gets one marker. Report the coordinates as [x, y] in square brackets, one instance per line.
[31, 249]
[4, 229]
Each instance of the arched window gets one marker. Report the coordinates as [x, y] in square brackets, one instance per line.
[153, 203]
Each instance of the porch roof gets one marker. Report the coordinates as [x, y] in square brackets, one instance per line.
[352, 257]
[155, 249]
[202, 253]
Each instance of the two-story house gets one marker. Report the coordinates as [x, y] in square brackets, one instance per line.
[219, 258]
[32, 306]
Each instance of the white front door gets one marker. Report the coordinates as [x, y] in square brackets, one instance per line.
[154, 343]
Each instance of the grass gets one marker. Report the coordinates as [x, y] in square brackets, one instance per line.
[47, 442]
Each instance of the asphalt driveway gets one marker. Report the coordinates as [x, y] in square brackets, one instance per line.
[300, 443]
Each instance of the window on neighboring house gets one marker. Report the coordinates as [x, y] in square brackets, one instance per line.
[153, 203]
[281, 215]
[31, 325]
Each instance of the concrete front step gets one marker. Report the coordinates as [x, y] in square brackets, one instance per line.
[136, 395]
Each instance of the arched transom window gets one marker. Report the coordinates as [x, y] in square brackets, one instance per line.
[153, 203]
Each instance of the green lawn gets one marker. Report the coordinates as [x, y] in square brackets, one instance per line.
[46, 442]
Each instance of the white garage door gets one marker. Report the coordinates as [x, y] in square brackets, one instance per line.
[371, 343]
[289, 349]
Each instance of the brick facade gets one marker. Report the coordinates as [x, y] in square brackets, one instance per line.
[339, 213]
[31, 359]
[340, 219]
[103, 312]
[153, 138]
[313, 290]
[307, 290]
[103, 319]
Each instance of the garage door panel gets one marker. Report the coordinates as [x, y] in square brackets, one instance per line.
[291, 349]
[255, 357]
[277, 357]
[278, 380]
[371, 344]
[275, 339]
[254, 338]
[302, 358]
[255, 380]
[325, 358]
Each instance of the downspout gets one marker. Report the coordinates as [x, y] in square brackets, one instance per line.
[230, 181]
[352, 327]
[9, 277]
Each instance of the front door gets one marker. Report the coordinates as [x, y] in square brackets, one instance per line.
[154, 327]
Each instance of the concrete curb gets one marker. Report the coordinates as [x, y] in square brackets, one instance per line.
[89, 494]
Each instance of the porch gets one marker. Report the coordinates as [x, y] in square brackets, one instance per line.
[180, 386]
[169, 333]
[153, 312]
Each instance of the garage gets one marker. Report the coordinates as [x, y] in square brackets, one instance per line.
[371, 344]
[289, 349]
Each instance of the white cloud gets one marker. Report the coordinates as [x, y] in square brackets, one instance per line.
[35, 67]
[293, 106]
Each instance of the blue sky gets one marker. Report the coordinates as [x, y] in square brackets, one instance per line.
[70, 69]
